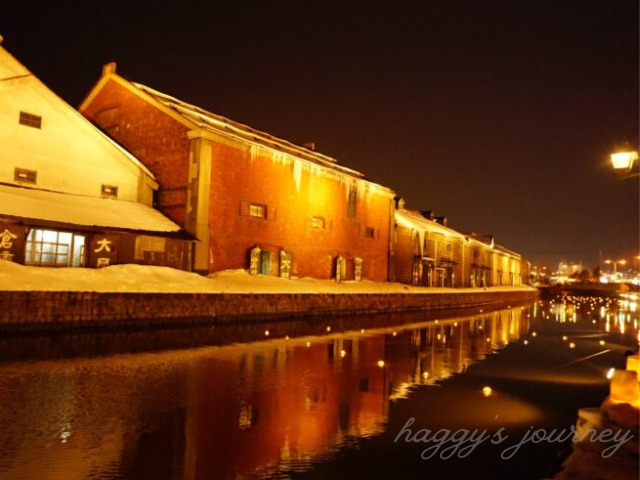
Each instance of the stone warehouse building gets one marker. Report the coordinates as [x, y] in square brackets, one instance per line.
[253, 200]
[69, 195]
[426, 252]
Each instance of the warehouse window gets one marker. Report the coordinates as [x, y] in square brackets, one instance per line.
[369, 232]
[51, 248]
[24, 175]
[109, 191]
[258, 210]
[30, 120]
[148, 247]
[318, 222]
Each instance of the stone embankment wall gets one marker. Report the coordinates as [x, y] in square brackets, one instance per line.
[44, 309]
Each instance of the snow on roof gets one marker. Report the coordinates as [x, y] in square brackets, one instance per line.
[502, 249]
[217, 123]
[480, 237]
[28, 203]
[412, 219]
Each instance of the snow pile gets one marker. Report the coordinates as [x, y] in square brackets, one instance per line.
[144, 278]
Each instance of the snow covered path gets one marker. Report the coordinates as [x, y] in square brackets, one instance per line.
[142, 278]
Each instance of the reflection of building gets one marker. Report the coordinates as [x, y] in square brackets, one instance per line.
[69, 196]
[425, 251]
[226, 412]
[253, 200]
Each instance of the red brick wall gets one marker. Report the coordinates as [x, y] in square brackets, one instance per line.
[238, 178]
[155, 138]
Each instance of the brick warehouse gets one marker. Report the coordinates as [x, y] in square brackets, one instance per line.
[312, 217]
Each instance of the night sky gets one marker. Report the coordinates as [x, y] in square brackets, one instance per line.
[498, 114]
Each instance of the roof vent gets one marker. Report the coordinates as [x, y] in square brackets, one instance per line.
[109, 68]
[310, 146]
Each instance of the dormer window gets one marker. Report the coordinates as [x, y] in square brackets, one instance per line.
[109, 191]
[25, 176]
[30, 120]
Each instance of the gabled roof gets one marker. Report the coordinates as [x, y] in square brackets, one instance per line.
[215, 123]
[413, 219]
[506, 251]
[18, 70]
[196, 118]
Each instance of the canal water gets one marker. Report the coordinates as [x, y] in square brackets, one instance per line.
[326, 398]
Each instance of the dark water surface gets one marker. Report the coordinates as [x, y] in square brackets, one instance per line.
[323, 398]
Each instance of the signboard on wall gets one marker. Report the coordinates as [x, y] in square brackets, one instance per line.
[12, 242]
[104, 250]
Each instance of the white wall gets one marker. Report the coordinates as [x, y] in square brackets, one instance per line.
[69, 154]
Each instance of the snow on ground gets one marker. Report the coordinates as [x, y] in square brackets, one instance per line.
[143, 278]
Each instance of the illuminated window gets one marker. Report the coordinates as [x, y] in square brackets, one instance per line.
[258, 210]
[318, 222]
[50, 248]
[369, 232]
[353, 200]
[24, 175]
[30, 120]
[110, 191]
[448, 247]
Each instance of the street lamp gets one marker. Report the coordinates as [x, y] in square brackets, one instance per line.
[615, 264]
[623, 160]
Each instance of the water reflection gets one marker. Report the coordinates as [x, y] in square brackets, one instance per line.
[258, 409]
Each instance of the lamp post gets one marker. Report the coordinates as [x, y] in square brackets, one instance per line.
[615, 264]
[623, 159]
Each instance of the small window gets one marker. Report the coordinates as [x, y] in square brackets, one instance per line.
[110, 191]
[24, 175]
[318, 222]
[30, 120]
[369, 232]
[258, 210]
[448, 247]
[149, 246]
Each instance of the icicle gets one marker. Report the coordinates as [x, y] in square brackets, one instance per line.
[421, 238]
[298, 167]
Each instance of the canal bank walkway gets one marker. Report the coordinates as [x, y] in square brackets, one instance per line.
[138, 295]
